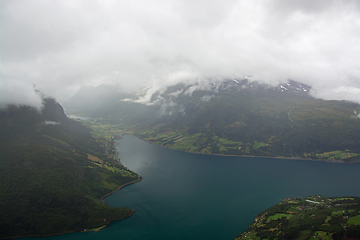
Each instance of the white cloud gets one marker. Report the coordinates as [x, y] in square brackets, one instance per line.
[61, 45]
[339, 93]
[18, 93]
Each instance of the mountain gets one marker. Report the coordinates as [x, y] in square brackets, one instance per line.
[238, 117]
[53, 174]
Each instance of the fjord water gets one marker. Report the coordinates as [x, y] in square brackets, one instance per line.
[194, 196]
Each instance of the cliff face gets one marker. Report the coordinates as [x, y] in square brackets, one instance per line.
[53, 111]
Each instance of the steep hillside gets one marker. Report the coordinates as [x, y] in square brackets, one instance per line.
[238, 117]
[53, 174]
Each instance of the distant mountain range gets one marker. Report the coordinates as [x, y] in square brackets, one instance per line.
[231, 117]
[53, 174]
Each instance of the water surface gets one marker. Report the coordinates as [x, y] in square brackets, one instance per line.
[194, 196]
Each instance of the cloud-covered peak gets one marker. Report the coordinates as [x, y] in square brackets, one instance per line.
[62, 45]
[19, 93]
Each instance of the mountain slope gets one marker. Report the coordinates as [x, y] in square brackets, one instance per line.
[49, 184]
[238, 117]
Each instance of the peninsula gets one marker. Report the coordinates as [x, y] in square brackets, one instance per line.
[312, 217]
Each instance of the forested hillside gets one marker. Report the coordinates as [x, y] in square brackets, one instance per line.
[236, 117]
[53, 174]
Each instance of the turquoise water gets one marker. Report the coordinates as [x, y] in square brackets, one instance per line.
[193, 196]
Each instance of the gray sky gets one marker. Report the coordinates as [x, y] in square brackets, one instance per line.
[60, 45]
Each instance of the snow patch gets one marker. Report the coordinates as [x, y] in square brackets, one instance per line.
[282, 87]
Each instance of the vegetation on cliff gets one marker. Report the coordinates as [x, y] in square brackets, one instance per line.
[54, 174]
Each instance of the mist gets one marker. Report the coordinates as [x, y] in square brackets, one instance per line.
[58, 46]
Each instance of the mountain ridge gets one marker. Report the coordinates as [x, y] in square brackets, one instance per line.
[239, 117]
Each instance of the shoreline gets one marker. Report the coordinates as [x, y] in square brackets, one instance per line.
[103, 226]
[122, 186]
[113, 144]
[115, 190]
[252, 156]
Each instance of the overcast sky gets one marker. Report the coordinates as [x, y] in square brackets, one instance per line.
[59, 45]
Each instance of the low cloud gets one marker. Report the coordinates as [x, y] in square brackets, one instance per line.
[51, 123]
[339, 93]
[62, 45]
[19, 93]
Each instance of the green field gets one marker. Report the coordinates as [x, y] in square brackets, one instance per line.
[325, 220]
[212, 143]
[354, 220]
[337, 213]
[336, 155]
[323, 235]
[304, 235]
[279, 215]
